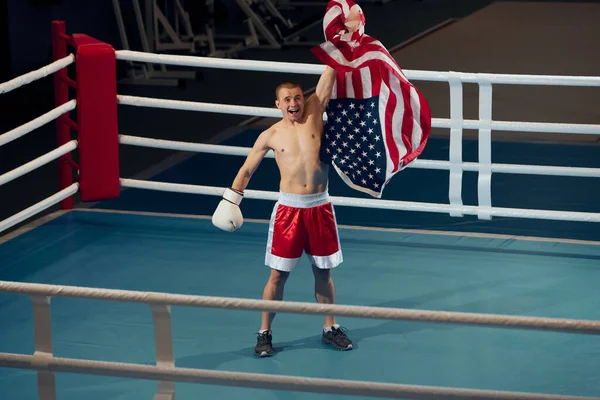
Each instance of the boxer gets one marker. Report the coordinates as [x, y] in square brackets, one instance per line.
[303, 219]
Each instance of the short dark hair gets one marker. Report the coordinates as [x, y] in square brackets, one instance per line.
[286, 85]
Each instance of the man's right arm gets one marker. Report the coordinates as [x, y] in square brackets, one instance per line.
[228, 216]
[255, 156]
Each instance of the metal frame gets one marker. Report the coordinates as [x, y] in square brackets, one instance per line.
[170, 29]
[149, 73]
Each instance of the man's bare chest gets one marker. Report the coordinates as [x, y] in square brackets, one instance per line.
[293, 142]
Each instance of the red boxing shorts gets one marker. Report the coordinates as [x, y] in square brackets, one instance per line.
[303, 223]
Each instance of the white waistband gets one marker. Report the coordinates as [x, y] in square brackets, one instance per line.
[303, 200]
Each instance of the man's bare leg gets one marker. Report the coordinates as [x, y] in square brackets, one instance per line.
[324, 291]
[325, 294]
[273, 291]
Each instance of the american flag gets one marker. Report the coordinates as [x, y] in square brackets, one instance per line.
[377, 121]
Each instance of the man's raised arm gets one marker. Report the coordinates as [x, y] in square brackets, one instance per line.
[325, 87]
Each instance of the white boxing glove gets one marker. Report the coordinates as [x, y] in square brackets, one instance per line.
[228, 215]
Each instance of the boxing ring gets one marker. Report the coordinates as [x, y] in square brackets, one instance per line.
[169, 332]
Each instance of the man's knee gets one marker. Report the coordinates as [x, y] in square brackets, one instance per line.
[278, 278]
[321, 275]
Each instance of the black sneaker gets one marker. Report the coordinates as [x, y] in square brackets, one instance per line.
[264, 344]
[337, 338]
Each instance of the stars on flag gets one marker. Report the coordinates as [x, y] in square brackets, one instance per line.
[353, 141]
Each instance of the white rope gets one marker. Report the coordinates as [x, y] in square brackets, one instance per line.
[546, 127]
[186, 146]
[192, 189]
[38, 207]
[220, 63]
[157, 298]
[36, 123]
[372, 203]
[317, 69]
[420, 164]
[37, 74]
[517, 79]
[543, 170]
[265, 381]
[550, 127]
[38, 162]
[521, 169]
[198, 106]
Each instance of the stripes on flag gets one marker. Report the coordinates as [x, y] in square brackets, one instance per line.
[367, 73]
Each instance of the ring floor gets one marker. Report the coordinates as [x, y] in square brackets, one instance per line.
[406, 259]
[383, 268]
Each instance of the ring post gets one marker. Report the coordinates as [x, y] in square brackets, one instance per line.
[61, 96]
[97, 119]
[43, 346]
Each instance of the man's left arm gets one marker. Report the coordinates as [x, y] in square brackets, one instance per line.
[324, 88]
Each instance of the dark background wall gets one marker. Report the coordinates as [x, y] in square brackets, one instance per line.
[29, 25]
[4, 43]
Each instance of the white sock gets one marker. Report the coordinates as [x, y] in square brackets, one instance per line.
[329, 328]
[263, 330]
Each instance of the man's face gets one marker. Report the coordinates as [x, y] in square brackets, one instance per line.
[291, 103]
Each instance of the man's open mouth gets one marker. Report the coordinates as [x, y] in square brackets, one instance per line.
[293, 110]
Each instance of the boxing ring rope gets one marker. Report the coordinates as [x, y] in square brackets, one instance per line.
[37, 122]
[369, 203]
[317, 69]
[265, 381]
[37, 74]
[422, 164]
[30, 126]
[39, 207]
[38, 162]
[168, 299]
[165, 371]
[508, 126]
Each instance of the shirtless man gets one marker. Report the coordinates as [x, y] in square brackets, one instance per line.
[303, 219]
